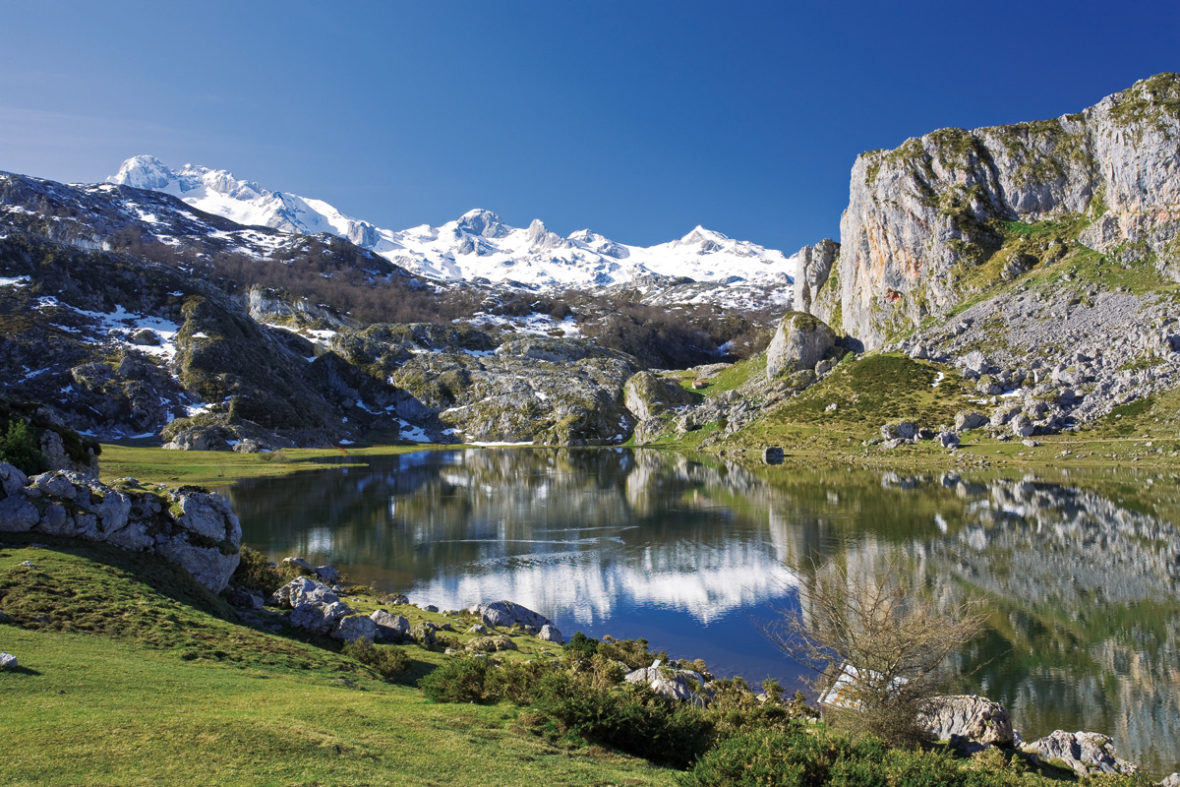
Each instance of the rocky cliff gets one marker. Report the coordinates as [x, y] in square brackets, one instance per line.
[941, 216]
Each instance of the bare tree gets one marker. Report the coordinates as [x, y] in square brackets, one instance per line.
[879, 645]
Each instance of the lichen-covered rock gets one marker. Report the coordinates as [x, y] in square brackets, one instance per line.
[1085, 753]
[8, 661]
[491, 644]
[799, 343]
[320, 618]
[919, 215]
[969, 717]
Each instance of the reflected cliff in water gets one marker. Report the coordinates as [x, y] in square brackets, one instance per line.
[1083, 591]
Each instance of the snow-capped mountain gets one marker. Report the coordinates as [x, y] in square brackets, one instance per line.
[477, 246]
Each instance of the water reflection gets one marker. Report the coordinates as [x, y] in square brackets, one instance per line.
[1084, 592]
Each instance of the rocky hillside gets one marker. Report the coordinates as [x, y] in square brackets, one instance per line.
[943, 215]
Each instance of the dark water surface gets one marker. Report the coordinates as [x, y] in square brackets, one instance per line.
[1082, 587]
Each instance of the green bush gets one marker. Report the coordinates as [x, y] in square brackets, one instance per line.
[19, 448]
[630, 719]
[793, 756]
[459, 680]
[255, 572]
[388, 661]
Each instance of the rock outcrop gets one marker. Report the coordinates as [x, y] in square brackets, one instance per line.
[799, 343]
[1085, 753]
[815, 265]
[969, 718]
[647, 395]
[676, 684]
[922, 216]
[194, 529]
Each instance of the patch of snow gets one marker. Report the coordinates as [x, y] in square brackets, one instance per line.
[13, 281]
[412, 432]
[938, 380]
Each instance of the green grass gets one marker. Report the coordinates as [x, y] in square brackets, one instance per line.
[132, 674]
[215, 468]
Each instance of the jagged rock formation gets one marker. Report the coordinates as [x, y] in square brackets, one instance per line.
[814, 267]
[196, 530]
[922, 217]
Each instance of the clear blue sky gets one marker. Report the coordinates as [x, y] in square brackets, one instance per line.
[636, 119]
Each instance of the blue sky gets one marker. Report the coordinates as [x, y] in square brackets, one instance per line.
[636, 119]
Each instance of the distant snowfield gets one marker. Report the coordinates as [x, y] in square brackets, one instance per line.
[477, 246]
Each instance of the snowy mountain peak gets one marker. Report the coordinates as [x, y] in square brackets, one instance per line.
[478, 245]
[143, 172]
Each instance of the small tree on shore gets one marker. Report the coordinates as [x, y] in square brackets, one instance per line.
[879, 647]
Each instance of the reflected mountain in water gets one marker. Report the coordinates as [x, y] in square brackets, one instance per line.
[698, 557]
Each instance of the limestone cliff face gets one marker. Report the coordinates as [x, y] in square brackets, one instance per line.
[922, 216]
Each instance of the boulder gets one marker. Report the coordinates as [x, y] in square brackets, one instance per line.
[799, 343]
[948, 439]
[647, 395]
[355, 628]
[772, 455]
[672, 683]
[968, 717]
[303, 591]
[1171, 780]
[491, 644]
[549, 633]
[320, 618]
[390, 628]
[899, 430]
[8, 661]
[970, 420]
[503, 614]
[478, 628]
[1085, 753]
[425, 634]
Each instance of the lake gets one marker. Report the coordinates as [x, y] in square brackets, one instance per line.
[1081, 580]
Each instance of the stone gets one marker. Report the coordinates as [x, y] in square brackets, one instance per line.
[430, 608]
[1171, 780]
[12, 480]
[504, 614]
[319, 618]
[948, 439]
[772, 455]
[8, 661]
[425, 634]
[799, 343]
[672, 683]
[814, 267]
[647, 395]
[1085, 753]
[491, 644]
[303, 591]
[966, 420]
[354, 628]
[899, 430]
[968, 717]
[549, 633]
[478, 628]
[390, 628]
[327, 574]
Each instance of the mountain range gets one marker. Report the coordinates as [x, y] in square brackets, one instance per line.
[478, 246]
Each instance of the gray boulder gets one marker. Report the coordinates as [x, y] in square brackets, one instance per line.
[549, 633]
[354, 628]
[948, 439]
[899, 430]
[491, 644]
[799, 343]
[390, 628]
[970, 420]
[968, 717]
[304, 591]
[425, 634]
[8, 661]
[503, 614]
[672, 683]
[1171, 780]
[1085, 753]
[320, 618]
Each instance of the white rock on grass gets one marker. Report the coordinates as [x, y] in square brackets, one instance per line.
[8, 661]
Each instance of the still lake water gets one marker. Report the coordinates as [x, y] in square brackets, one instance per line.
[1082, 586]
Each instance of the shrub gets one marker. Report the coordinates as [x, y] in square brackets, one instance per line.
[793, 756]
[388, 661]
[254, 572]
[19, 448]
[459, 680]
